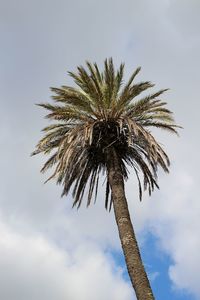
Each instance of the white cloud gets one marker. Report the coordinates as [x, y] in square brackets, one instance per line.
[173, 216]
[179, 222]
[34, 268]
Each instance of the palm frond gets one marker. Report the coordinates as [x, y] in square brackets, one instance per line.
[128, 95]
[94, 119]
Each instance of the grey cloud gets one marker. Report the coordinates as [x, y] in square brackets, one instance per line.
[40, 42]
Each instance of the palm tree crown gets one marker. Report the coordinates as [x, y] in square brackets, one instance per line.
[100, 115]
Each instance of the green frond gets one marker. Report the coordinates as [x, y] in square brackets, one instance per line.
[75, 99]
[88, 85]
[161, 125]
[66, 114]
[159, 109]
[128, 95]
[128, 85]
[96, 78]
[98, 74]
[109, 81]
[147, 103]
[160, 116]
[91, 88]
[53, 127]
[118, 80]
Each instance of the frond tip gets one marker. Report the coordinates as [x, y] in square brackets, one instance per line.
[97, 116]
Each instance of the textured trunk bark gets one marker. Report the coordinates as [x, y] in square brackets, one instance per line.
[128, 240]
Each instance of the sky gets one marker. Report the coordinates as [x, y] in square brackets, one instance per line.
[47, 250]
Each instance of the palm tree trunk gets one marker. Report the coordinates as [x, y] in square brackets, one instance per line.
[128, 240]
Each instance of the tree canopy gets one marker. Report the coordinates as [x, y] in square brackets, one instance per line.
[102, 112]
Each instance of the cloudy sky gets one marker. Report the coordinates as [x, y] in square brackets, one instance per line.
[47, 250]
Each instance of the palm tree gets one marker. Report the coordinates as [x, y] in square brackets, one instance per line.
[101, 126]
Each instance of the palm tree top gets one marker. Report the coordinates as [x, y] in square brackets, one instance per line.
[99, 116]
